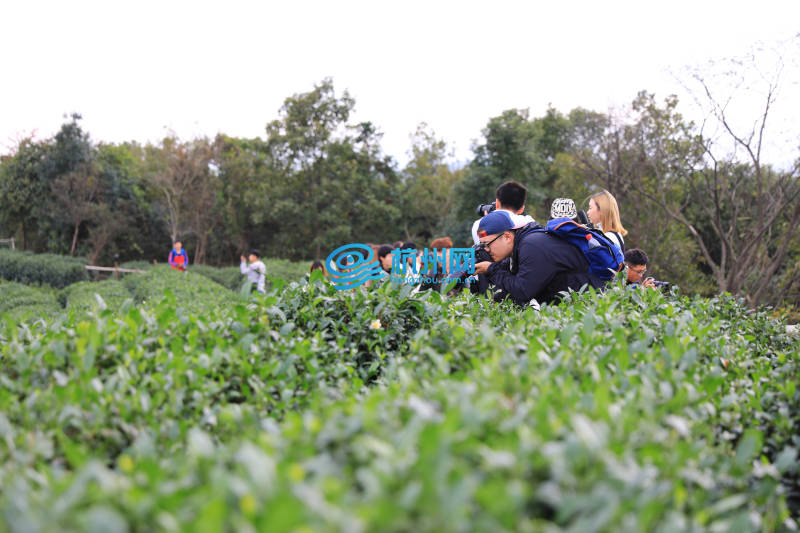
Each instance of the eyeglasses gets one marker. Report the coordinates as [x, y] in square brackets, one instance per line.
[486, 245]
[638, 271]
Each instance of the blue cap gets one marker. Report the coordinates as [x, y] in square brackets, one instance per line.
[495, 222]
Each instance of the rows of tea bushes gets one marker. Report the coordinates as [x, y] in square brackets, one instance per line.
[312, 409]
[231, 277]
[88, 295]
[59, 271]
[54, 270]
[22, 301]
[47, 290]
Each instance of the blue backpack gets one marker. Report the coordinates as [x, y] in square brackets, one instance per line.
[605, 257]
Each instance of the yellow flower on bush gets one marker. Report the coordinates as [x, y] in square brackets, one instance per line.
[125, 463]
[247, 504]
[375, 324]
[296, 472]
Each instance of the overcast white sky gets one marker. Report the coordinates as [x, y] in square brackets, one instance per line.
[136, 69]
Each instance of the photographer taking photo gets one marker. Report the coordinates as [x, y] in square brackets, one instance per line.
[510, 197]
[540, 265]
[636, 263]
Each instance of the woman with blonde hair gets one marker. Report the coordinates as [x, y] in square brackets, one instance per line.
[604, 214]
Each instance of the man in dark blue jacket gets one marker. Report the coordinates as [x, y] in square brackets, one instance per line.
[531, 266]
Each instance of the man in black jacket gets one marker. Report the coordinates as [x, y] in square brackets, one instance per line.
[531, 266]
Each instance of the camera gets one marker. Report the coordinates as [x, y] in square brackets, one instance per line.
[484, 209]
[462, 276]
[481, 254]
[583, 220]
[663, 285]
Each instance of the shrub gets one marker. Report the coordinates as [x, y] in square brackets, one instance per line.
[137, 265]
[55, 270]
[190, 291]
[232, 278]
[229, 277]
[23, 302]
[82, 296]
[376, 410]
[286, 270]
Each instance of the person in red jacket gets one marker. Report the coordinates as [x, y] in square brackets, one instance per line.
[178, 258]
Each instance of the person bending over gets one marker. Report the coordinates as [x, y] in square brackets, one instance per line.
[636, 266]
[539, 265]
[385, 258]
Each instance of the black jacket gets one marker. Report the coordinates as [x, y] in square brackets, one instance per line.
[541, 265]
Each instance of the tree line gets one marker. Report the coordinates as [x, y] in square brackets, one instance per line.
[709, 221]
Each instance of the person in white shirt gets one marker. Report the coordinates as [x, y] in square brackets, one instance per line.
[510, 196]
[604, 214]
[255, 271]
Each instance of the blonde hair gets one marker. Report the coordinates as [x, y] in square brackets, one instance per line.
[609, 212]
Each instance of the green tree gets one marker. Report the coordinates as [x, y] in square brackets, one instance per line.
[686, 206]
[514, 147]
[188, 182]
[68, 157]
[243, 167]
[77, 193]
[327, 183]
[427, 191]
[22, 188]
[28, 176]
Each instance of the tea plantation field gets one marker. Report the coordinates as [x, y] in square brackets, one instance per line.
[169, 402]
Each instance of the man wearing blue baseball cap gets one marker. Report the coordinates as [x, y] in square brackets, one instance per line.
[539, 265]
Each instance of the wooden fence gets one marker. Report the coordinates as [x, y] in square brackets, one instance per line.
[9, 241]
[115, 269]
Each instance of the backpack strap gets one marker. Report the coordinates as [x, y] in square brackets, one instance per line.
[620, 240]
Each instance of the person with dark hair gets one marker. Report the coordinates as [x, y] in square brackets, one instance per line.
[385, 257]
[414, 262]
[509, 196]
[531, 265]
[636, 265]
[255, 271]
[317, 265]
[178, 258]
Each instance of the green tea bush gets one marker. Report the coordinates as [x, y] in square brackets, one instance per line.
[191, 292]
[286, 270]
[137, 265]
[55, 270]
[84, 295]
[376, 410]
[229, 277]
[21, 302]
